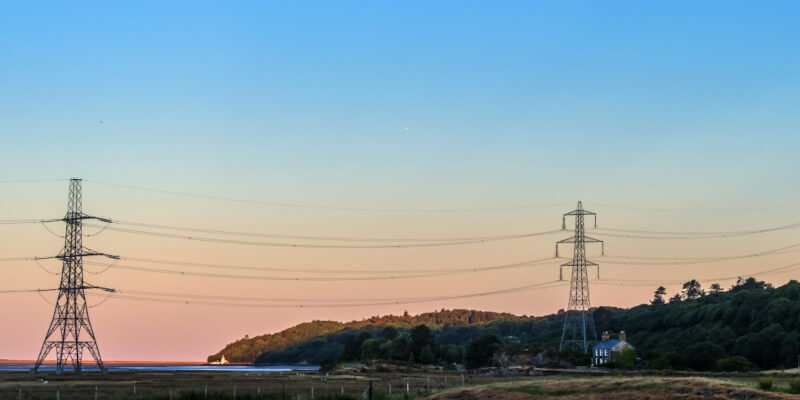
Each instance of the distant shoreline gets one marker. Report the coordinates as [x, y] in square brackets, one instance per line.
[164, 363]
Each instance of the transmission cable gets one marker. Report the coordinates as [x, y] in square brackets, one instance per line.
[340, 271]
[324, 246]
[533, 287]
[328, 238]
[648, 282]
[323, 207]
[697, 210]
[402, 275]
[689, 261]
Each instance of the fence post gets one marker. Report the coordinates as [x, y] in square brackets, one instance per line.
[95, 392]
[205, 391]
[390, 390]
[259, 393]
[312, 392]
[58, 395]
[342, 390]
[407, 387]
[462, 379]
[234, 392]
[170, 393]
[134, 390]
[370, 389]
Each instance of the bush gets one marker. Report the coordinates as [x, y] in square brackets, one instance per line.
[660, 362]
[734, 364]
[765, 383]
[794, 385]
[480, 351]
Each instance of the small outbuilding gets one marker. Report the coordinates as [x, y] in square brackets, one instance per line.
[609, 349]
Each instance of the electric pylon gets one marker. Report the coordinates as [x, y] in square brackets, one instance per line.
[578, 322]
[70, 331]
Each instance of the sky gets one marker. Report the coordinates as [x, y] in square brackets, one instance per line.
[388, 120]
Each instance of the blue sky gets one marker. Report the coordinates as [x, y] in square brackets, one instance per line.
[312, 88]
[412, 104]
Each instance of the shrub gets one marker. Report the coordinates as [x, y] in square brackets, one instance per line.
[660, 362]
[734, 364]
[765, 383]
[794, 385]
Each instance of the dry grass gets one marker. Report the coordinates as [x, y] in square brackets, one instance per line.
[616, 388]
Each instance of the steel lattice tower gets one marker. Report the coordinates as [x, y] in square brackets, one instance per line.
[70, 331]
[578, 322]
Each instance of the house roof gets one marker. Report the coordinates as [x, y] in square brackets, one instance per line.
[608, 344]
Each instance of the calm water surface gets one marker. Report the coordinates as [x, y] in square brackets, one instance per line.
[170, 368]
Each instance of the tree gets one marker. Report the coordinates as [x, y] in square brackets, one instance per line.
[716, 288]
[426, 355]
[421, 336]
[702, 356]
[658, 295]
[676, 298]
[692, 290]
[734, 364]
[389, 333]
[480, 351]
[749, 284]
[626, 359]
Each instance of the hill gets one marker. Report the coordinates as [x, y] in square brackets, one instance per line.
[752, 325]
[247, 349]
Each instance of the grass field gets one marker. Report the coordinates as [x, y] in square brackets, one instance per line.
[435, 386]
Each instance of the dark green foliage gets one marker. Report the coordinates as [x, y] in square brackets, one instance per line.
[426, 355]
[389, 333]
[480, 351]
[327, 364]
[626, 359]
[660, 362]
[421, 336]
[658, 295]
[753, 320]
[765, 383]
[453, 354]
[576, 358]
[794, 385]
[692, 290]
[702, 356]
[734, 364]
[247, 349]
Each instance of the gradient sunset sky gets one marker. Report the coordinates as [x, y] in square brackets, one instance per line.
[659, 116]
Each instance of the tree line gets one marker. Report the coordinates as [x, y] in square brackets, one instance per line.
[751, 325]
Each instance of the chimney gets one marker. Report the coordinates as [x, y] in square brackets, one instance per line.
[622, 335]
[605, 336]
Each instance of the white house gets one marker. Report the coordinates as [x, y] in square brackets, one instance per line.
[609, 349]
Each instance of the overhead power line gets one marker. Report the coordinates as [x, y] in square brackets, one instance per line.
[321, 246]
[200, 300]
[33, 180]
[376, 275]
[332, 238]
[649, 282]
[322, 207]
[687, 235]
[698, 210]
[688, 261]
[373, 270]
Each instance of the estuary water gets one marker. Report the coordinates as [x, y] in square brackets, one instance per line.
[169, 368]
